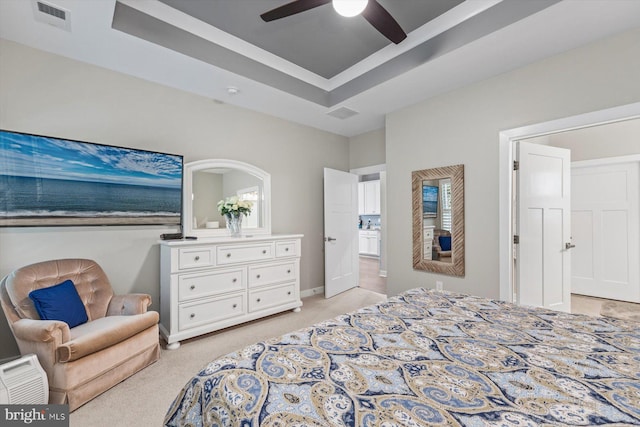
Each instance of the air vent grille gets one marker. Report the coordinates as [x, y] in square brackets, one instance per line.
[342, 113]
[50, 10]
[51, 14]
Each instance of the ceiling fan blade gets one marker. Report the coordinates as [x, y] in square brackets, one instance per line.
[291, 9]
[383, 22]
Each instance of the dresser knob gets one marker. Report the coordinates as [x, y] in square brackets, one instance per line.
[228, 255]
[289, 293]
[193, 287]
[288, 271]
[192, 315]
[264, 251]
[234, 280]
[257, 276]
[197, 258]
[235, 305]
[286, 249]
[258, 300]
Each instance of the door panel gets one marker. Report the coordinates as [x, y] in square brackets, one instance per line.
[530, 272]
[582, 261]
[340, 231]
[605, 202]
[553, 264]
[543, 263]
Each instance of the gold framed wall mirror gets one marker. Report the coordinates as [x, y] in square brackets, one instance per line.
[438, 220]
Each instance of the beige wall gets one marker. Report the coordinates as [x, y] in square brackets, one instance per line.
[47, 94]
[462, 127]
[367, 149]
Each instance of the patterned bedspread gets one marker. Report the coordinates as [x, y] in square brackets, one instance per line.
[427, 358]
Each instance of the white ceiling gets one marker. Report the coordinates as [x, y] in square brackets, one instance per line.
[472, 41]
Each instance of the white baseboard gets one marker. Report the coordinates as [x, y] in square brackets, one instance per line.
[311, 292]
[382, 273]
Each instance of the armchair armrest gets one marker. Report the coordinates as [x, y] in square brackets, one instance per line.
[34, 330]
[41, 337]
[127, 305]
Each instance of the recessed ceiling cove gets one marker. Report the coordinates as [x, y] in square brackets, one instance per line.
[329, 48]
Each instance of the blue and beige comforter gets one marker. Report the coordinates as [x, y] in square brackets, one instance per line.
[426, 358]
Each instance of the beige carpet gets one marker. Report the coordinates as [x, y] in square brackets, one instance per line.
[621, 310]
[143, 399]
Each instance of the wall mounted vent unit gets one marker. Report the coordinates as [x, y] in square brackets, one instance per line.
[23, 382]
[51, 14]
[342, 113]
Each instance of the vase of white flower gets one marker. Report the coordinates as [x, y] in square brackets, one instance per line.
[233, 209]
[234, 224]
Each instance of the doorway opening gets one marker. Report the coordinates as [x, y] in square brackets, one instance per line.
[508, 286]
[371, 228]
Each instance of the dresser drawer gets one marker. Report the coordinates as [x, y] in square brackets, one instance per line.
[261, 299]
[244, 253]
[428, 234]
[286, 249]
[271, 273]
[195, 257]
[199, 285]
[426, 251]
[191, 315]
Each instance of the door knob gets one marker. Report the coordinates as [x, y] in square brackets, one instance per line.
[329, 239]
[569, 245]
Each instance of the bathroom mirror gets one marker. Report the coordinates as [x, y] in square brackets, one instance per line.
[438, 220]
[206, 182]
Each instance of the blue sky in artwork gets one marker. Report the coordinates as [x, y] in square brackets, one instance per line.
[429, 193]
[43, 157]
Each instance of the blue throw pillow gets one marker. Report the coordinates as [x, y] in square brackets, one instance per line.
[445, 243]
[60, 302]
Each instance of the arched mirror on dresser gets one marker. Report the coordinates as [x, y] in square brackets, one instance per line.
[206, 182]
[438, 220]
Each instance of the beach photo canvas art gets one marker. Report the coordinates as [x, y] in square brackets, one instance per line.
[429, 201]
[47, 181]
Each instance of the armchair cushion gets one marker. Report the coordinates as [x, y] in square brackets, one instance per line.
[102, 333]
[60, 302]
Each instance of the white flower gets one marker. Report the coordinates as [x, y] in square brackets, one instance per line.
[233, 205]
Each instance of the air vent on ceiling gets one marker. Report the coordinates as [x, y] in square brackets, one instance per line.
[52, 14]
[342, 113]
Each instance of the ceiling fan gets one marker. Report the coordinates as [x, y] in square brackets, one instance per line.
[371, 10]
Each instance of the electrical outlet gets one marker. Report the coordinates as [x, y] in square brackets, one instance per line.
[439, 285]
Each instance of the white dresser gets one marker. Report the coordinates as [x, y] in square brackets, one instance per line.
[210, 284]
[427, 240]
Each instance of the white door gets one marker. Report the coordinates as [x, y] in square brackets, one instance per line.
[543, 260]
[340, 232]
[604, 221]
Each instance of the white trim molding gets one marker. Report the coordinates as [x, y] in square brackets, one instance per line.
[606, 161]
[312, 292]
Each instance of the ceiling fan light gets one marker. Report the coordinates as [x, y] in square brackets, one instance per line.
[349, 8]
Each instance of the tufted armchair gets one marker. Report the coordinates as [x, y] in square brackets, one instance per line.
[441, 254]
[119, 339]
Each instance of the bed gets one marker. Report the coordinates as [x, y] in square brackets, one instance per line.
[427, 358]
